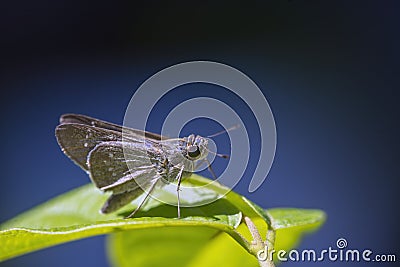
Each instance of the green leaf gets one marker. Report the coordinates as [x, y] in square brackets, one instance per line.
[291, 224]
[203, 246]
[195, 239]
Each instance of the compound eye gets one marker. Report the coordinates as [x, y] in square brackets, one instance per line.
[193, 152]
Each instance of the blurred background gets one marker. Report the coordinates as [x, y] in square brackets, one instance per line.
[329, 69]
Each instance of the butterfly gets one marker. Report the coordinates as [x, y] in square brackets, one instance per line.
[128, 162]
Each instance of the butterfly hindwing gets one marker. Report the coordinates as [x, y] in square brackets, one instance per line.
[109, 171]
[117, 201]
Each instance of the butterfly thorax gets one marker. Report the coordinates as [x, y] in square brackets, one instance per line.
[172, 159]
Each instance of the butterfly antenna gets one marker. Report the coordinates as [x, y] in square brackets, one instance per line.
[224, 156]
[225, 131]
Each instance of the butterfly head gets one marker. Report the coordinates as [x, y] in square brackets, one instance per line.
[196, 147]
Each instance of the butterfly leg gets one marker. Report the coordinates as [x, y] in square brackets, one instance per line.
[210, 169]
[143, 201]
[179, 176]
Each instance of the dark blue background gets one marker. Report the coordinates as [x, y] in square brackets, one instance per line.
[329, 69]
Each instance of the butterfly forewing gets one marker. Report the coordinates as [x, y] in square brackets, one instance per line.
[77, 140]
[86, 120]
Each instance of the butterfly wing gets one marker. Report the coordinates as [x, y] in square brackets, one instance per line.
[117, 201]
[109, 171]
[77, 140]
[78, 134]
[86, 120]
[97, 147]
